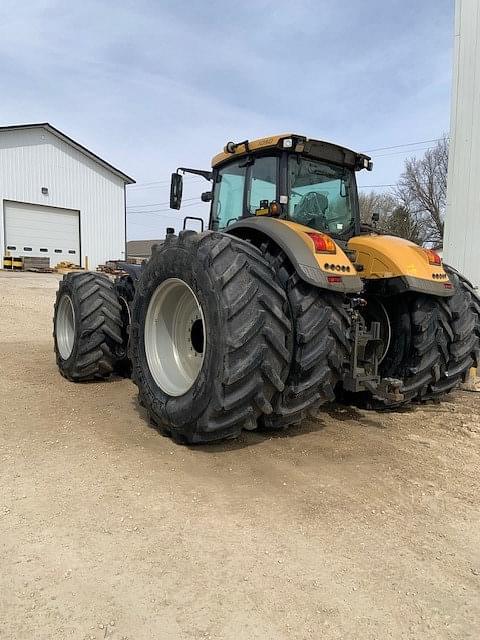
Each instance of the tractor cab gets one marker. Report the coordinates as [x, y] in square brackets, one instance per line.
[289, 177]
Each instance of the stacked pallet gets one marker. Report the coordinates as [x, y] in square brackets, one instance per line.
[37, 264]
[66, 267]
[112, 268]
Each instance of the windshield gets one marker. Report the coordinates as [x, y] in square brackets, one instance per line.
[321, 195]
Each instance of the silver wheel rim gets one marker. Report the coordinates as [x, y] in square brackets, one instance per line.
[389, 333]
[124, 302]
[65, 327]
[174, 337]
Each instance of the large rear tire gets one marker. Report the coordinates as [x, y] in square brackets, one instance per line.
[87, 327]
[459, 318]
[320, 323]
[414, 355]
[209, 337]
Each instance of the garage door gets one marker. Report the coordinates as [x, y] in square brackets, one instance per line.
[35, 230]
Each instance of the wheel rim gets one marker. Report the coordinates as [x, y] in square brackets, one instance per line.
[65, 327]
[386, 328]
[126, 309]
[376, 311]
[174, 337]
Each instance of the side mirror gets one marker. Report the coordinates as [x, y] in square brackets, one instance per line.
[375, 216]
[176, 190]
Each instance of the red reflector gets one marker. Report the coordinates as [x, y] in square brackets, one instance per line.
[334, 279]
[447, 285]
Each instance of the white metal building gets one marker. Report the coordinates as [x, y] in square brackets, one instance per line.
[58, 199]
[462, 223]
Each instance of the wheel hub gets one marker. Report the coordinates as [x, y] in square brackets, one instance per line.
[174, 337]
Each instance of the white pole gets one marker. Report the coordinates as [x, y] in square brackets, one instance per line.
[462, 221]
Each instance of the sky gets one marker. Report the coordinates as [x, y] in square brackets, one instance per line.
[150, 85]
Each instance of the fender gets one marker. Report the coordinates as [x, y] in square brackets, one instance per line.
[334, 272]
[392, 265]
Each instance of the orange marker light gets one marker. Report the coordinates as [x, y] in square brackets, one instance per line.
[274, 209]
[322, 242]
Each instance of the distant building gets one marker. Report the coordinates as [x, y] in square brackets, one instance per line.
[58, 199]
[141, 248]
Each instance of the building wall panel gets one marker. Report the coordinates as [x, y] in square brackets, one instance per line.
[462, 224]
[34, 158]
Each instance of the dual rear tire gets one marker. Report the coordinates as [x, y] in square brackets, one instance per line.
[320, 347]
[226, 337]
[435, 341]
[88, 326]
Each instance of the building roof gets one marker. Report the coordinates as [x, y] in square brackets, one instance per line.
[140, 248]
[72, 143]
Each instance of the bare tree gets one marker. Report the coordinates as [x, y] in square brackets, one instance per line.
[381, 203]
[394, 217]
[402, 223]
[422, 189]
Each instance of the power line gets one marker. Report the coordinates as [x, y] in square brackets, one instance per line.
[147, 184]
[375, 186]
[161, 217]
[405, 151]
[150, 185]
[155, 211]
[157, 204]
[408, 144]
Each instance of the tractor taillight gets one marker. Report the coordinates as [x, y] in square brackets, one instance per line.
[433, 257]
[322, 243]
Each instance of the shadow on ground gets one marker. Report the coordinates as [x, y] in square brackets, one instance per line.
[333, 412]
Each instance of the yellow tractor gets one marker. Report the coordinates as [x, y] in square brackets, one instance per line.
[282, 304]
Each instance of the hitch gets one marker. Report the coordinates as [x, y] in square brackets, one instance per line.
[362, 373]
[386, 390]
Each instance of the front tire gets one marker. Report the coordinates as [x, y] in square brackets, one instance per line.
[209, 337]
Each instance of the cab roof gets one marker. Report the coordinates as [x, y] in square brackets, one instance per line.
[296, 143]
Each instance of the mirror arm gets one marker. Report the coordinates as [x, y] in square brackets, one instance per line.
[208, 175]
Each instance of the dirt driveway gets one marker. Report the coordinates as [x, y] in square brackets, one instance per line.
[362, 526]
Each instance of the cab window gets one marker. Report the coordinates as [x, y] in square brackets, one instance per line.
[263, 183]
[228, 198]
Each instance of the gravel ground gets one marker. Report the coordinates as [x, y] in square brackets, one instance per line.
[362, 525]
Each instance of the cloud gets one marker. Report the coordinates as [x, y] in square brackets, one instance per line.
[153, 85]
